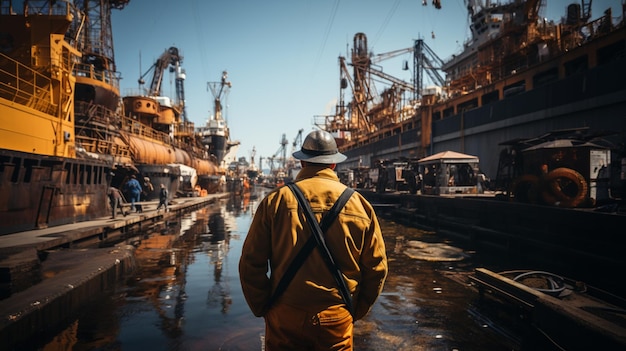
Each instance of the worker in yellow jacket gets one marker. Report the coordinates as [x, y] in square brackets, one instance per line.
[310, 314]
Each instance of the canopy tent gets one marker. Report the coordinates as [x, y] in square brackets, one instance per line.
[449, 172]
[448, 157]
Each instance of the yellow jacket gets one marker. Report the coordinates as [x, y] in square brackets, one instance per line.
[278, 232]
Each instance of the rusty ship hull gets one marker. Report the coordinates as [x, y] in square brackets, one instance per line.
[44, 179]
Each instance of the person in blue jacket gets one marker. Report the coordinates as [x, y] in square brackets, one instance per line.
[133, 188]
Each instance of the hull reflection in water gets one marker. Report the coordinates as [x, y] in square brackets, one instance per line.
[186, 295]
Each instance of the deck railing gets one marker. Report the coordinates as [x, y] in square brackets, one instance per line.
[25, 86]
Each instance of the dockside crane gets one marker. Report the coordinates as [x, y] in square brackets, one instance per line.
[297, 142]
[172, 60]
[425, 60]
[370, 111]
[282, 152]
[170, 57]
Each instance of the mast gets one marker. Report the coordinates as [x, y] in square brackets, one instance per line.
[219, 89]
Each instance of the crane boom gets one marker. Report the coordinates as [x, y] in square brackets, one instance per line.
[169, 57]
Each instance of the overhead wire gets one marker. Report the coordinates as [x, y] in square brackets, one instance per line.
[197, 21]
[196, 14]
[329, 26]
[382, 28]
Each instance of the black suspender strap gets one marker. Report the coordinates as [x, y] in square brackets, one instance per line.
[316, 239]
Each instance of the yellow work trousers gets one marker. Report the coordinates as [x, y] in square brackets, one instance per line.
[291, 328]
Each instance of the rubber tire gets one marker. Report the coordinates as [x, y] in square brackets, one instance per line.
[558, 189]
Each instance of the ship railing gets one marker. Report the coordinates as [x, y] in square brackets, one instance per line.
[589, 31]
[93, 133]
[25, 86]
[36, 7]
[184, 128]
[103, 146]
[135, 127]
[88, 113]
[102, 75]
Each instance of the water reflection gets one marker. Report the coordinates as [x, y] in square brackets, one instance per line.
[186, 294]
[217, 248]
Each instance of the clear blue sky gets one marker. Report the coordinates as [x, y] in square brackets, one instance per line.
[281, 55]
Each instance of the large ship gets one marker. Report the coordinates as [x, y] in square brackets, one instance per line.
[216, 134]
[67, 134]
[519, 76]
[166, 148]
[44, 178]
[144, 133]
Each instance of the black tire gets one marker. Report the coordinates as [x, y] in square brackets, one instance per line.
[565, 187]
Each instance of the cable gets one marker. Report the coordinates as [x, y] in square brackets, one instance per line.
[386, 22]
[329, 25]
[557, 283]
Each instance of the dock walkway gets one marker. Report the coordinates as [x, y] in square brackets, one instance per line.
[47, 274]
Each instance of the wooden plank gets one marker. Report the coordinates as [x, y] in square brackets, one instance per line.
[564, 320]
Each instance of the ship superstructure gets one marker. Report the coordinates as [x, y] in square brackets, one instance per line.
[44, 179]
[216, 134]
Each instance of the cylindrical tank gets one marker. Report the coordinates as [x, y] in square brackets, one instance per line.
[181, 156]
[204, 167]
[150, 152]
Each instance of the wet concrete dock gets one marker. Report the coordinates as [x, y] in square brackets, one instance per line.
[46, 274]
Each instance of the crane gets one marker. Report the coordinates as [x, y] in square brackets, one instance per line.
[282, 151]
[425, 60]
[297, 142]
[368, 110]
[171, 59]
[219, 89]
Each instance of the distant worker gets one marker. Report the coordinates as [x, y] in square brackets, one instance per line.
[222, 183]
[115, 199]
[147, 188]
[311, 310]
[133, 188]
[162, 198]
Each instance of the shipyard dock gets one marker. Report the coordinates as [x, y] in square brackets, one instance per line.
[46, 274]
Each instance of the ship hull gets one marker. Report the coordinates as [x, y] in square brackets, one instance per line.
[38, 191]
[217, 146]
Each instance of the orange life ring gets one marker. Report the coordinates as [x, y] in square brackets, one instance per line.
[565, 187]
[524, 188]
